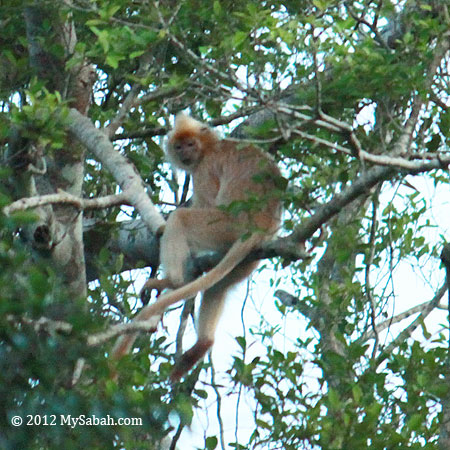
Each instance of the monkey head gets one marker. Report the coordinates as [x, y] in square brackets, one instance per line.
[189, 142]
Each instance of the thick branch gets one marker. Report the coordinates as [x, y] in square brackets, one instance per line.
[121, 169]
[362, 185]
[132, 239]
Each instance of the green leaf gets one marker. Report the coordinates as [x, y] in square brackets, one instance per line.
[114, 59]
[238, 38]
[242, 342]
[415, 422]
[217, 8]
[211, 443]
[320, 4]
[334, 400]
[103, 38]
[357, 393]
[136, 54]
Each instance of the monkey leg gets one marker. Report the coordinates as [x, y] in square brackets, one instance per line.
[210, 312]
[194, 229]
[174, 249]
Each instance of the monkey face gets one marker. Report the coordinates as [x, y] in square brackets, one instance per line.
[187, 151]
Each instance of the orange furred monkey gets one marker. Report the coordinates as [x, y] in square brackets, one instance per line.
[235, 207]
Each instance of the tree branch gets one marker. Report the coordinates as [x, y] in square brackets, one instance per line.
[149, 325]
[426, 309]
[120, 168]
[363, 184]
[62, 197]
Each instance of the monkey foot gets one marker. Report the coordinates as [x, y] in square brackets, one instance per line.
[189, 358]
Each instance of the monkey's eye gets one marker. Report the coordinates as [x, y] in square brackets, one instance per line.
[190, 143]
[177, 147]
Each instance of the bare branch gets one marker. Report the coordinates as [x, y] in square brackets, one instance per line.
[43, 324]
[149, 325]
[131, 100]
[62, 197]
[127, 105]
[370, 257]
[200, 62]
[380, 160]
[424, 309]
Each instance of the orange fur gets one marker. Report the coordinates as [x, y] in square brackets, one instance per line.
[224, 173]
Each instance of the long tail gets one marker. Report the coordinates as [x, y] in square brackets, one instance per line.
[238, 251]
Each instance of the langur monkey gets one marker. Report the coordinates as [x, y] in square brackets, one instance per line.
[235, 207]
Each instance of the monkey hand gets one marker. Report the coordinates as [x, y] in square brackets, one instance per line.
[153, 283]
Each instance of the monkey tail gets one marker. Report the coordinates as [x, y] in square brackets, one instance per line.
[238, 251]
[236, 254]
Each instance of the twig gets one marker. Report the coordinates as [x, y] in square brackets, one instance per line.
[372, 27]
[371, 255]
[43, 324]
[131, 100]
[200, 62]
[219, 404]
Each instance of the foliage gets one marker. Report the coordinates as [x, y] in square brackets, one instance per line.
[316, 83]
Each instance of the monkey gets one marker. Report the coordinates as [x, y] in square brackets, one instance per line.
[235, 207]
